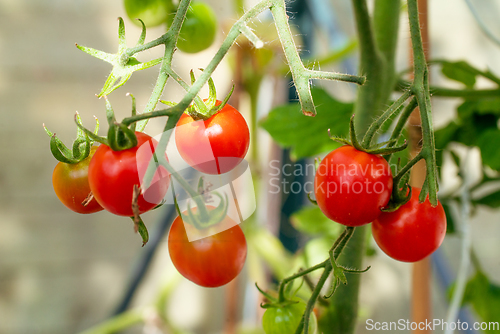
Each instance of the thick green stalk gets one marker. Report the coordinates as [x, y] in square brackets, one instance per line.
[343, 309]
[377, 44]
[372, 65]
[420, 89]
[386, 24]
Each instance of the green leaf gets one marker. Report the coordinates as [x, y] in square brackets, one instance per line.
[484, 296]
[488, 106]
[308, 136]
[460, 71]
[311, 220]
[490, 153]
[492, 200]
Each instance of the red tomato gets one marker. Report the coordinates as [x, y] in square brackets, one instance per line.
[352, 186]
[212, 261]
[412, 232]
[216, 145]
[113, 174]
[71, 185]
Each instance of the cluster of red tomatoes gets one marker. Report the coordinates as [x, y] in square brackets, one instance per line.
[352, 187]
[106, 179]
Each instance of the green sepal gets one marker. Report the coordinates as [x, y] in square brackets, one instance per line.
[81, 146]
[90, 134]
[399, 196]
[353, 139]
[215, 216]
[134, 108]
[141, 228]
[388, 150]
[120, 137]
[313, 201]
[204, 110]
[123, 65]
[214, 110]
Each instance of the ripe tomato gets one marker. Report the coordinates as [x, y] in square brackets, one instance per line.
[113, 174]
[216, 145]
[211, 261]
[280, 320]
[71, 185]
[151, 12]
[198, 29]
[412, 232]
[352, 186]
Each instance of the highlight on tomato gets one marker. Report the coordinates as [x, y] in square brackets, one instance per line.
[71, 185]
[412, 232]
[113, 175]
[352, 186]
[216, 145]
[212, 261]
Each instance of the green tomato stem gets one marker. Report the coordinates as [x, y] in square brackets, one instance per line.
[375, 126]
[337, 249]
[420, 89]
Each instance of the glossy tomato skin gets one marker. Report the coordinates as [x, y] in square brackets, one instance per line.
[412, 232]
[280, 320]
[352, 186]
[199, 28]
[71, 185]
[113, 174]
[216, 145]
[212, 261]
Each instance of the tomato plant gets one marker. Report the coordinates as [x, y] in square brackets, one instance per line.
[71, 185]
[215, 145]
[285, 319]
[199, 28]
[412, 232]
[113, 175]
[211, 261]
[151, 12]
[352, 186]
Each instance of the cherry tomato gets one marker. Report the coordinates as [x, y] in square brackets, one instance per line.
[113, 174]
[198, 29]
[71, 185]
[151, 12]
[216, 145]
[280, 320]
[352, 186]
[212, 261]
[412, 232]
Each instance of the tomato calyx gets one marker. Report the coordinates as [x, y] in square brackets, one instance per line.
[339, 274]
[384, 148]
[201, 217]
[204, 109]
[278, 302]
[401, 194]
[81, 146]
[123, 63]
[120, 137]
[204, 219]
